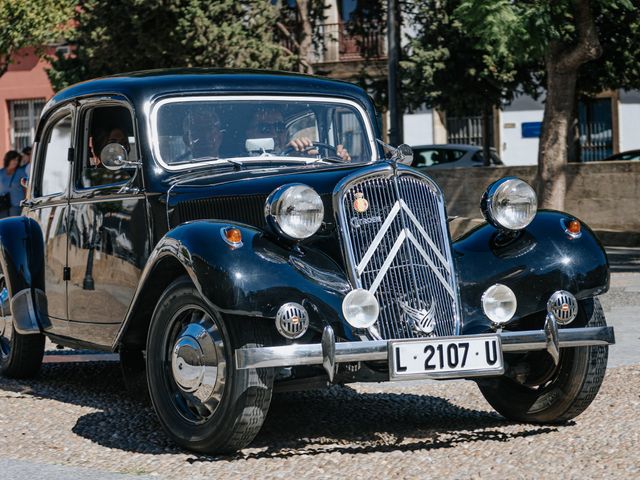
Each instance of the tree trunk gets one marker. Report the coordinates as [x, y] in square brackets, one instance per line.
[552, 153]
[306, 39]
[562, 64]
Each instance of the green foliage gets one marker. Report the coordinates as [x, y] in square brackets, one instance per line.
[115, 36]
[35, 23]
[469, 52]
[619, 66]
[461, 57]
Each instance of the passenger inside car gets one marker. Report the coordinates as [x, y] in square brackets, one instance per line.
[105, 125]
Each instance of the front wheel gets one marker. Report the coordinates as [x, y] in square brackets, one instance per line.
[203, 402]
[20, 355]
[550, 393]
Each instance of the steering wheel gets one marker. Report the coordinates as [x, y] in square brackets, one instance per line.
[332, 152]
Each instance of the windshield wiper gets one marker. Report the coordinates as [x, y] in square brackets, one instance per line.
[331, 159]
[236, 163]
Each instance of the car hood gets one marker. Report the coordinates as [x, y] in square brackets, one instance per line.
[239, 197]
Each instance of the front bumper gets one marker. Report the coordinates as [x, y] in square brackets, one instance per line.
[328, 353]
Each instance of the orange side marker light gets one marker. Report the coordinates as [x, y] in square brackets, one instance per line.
[233, 235]
[573, 227]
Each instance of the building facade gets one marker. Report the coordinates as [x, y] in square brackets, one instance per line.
[24, 89]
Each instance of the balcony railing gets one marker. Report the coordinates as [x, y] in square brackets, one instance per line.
[341, 43]
[357, 46]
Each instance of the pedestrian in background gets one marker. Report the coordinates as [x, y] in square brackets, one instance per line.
[11, 191]
[26, 159]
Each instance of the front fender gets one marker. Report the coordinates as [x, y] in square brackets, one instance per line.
[539, 261]
[254, 279]
[22, 260]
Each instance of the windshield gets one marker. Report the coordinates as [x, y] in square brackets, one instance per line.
[210, 130]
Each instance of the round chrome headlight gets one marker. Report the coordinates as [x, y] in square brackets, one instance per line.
[295, 211]
[360, 308]
[509, 203]
[499, 303]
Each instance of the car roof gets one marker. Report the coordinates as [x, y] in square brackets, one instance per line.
[143, 86]
[449, 146]
[622, 154]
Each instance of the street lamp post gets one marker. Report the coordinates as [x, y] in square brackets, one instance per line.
[393, 42]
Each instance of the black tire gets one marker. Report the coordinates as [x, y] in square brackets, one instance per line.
[20, 355]
[567, 391]
[243, 396]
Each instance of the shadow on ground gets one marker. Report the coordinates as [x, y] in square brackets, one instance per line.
[338, 419]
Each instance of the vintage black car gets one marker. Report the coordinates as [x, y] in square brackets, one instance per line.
[229, 233]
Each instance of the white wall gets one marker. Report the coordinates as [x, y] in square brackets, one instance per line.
[515, 150]
[418, 128]
[629, 126]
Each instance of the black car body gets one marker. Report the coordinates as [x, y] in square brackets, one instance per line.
[186, 264]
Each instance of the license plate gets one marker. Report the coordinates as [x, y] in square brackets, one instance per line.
[446, 357]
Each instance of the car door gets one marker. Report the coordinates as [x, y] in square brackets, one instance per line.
[48, 205]
[108, 241]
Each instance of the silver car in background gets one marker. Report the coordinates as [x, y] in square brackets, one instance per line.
[451, 155]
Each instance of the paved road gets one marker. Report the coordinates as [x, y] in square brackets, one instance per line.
[622, 310]
[75, 422]
[623, 259]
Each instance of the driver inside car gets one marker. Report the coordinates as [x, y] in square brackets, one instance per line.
[101, 138]
[269, 122]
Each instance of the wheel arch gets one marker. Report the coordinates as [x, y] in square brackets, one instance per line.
[252, 280]
[538, 261]
[136, 326]
[22, 263]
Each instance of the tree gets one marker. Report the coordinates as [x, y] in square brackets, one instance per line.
[448, 66]
[619, 64]
[36, 23]
[528, 45]
[298, 28]
[114, 36]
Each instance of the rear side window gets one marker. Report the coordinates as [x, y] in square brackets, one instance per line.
[55, 172]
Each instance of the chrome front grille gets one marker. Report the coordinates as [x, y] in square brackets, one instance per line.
[396, 245]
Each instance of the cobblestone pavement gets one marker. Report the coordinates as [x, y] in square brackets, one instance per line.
[77, 415]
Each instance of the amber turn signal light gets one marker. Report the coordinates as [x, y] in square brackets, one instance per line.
[574, 227]
[234, 235]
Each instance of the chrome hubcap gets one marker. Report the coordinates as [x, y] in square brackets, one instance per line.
[197, 363]
[194, 362]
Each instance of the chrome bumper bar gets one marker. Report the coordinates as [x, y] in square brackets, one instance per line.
[330, 352]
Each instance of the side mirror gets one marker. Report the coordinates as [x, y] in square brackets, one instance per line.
[405, 154]
[115, 157]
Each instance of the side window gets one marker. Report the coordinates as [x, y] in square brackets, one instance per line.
[478, 157]
[102, 126]
[55, 172]
[426, 158]
[351, 134]
[304, 125]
